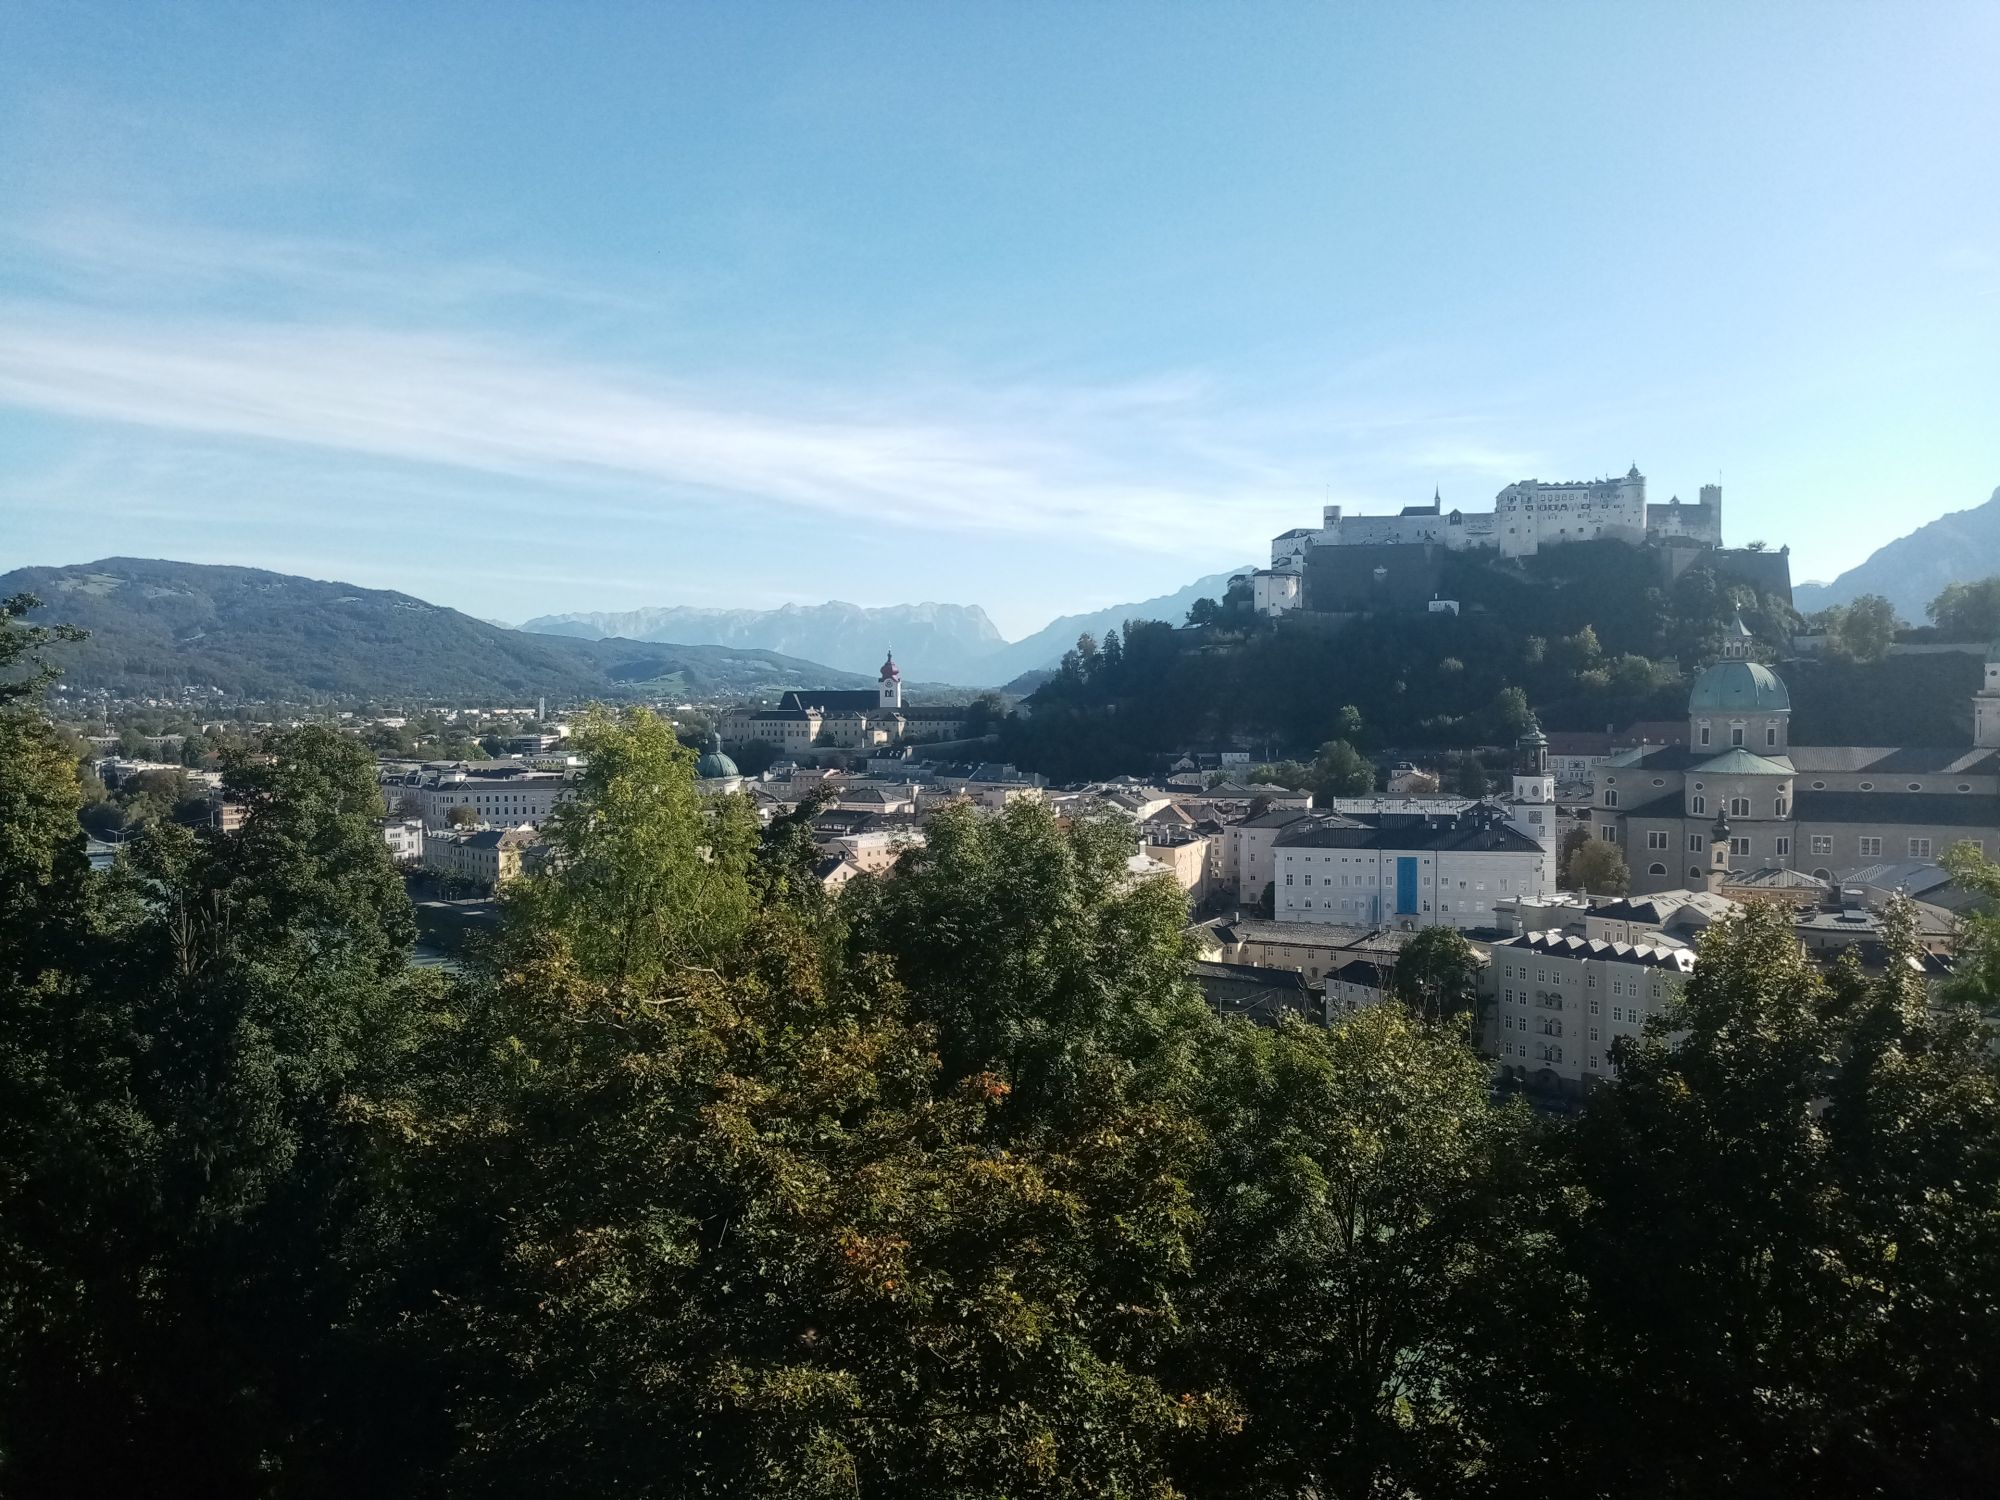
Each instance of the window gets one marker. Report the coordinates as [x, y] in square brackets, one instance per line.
[1698, 806]
[1784, 846]
[1739, 807]
[1593, 1033]
[1656, 838]
[1822, 843]
[1770, 736]
[1819, 786]
[1609, 833]
[1978, 845]
[1778, 807]
[1593, 1002]
[1288, 877]
[1659, 781]
[1920, 848]
[1656, 869]
[1871, 846]
[1696, 843]
[1867, 786]
[1915, 786]
[1735, 734]
[1610, 797]
[1965, 786]
[1704, 734]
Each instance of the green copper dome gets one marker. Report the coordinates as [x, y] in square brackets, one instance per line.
[714, 765]
[1736, 687]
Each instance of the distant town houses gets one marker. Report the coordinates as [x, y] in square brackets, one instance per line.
[806, 721]
[485, 859]
[503, 795]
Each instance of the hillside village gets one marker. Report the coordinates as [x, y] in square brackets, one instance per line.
[1591, 858]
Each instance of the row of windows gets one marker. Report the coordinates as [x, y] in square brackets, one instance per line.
[1869, 845]
[1618, 986]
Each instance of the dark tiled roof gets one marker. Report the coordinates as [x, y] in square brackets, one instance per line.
[1890, 760]
[1916, 809]
[1644, 954]
[1658, 758]
[1666, 805]
[1397, 831]
[1277, 817]
[832, 698]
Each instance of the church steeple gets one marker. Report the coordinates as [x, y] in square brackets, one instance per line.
[889, 686]
[1986, 704]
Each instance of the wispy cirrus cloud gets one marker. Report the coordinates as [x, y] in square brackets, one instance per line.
[482, 405]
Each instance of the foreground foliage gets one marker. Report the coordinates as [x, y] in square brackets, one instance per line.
[700, 1184]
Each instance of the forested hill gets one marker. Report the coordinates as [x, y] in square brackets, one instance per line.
[159, 627]
[1584, 634]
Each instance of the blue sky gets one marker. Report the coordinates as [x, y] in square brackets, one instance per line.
[535, 307]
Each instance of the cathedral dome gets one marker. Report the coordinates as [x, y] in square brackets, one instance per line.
[714, 765]
[1739, 687]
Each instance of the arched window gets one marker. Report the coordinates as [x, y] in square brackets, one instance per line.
[1822, 873]
[1778, 808]
[1610, 797]
[1739, 807]
[1698, 806]
[1694, 872]
[1656, 869]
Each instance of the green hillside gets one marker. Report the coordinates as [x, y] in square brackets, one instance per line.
[1588, 635]
[159, 628]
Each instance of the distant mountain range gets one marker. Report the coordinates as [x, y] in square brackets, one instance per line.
[159, 627]
[1913, 570]
[949, 643]
[932, 642]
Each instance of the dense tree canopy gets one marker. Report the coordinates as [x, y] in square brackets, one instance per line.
[697, 1182]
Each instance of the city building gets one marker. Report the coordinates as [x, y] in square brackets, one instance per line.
[1557, 1002]
[487, 858]
[1405, 871]
[502, 796]
[1818, 809]
[844, 719]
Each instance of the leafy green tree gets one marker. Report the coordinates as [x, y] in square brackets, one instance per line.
[1860, 631]
[1510, 714]
[764, 1214]
[1437, 976]
[186, 1205]
[1341, 771]
[1968, 611]
[1468, 776]
[1350, 1210]
[1778, 1252]
[1598, 866]
[1574, 842]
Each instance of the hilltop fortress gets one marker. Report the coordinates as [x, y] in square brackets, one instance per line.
[1525, 518]
[1385, 557]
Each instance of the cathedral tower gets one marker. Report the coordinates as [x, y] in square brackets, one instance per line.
[889, 686]
[1986, 703]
